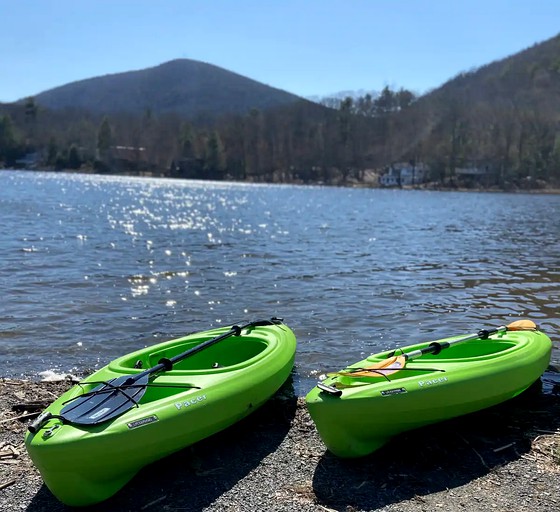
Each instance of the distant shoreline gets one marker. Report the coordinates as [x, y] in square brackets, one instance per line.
[428, 187]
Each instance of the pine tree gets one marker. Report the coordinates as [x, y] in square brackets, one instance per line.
[104, 139]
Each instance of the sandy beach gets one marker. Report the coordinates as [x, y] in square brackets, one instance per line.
[505, 459]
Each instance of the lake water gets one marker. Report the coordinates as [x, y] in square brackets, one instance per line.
[94, 267]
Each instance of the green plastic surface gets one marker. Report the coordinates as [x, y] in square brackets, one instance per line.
[83, 465]
[464, 378]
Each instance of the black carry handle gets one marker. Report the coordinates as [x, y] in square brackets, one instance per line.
[39, 421]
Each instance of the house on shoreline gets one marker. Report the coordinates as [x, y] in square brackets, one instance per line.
[29, 161]
[404, 174]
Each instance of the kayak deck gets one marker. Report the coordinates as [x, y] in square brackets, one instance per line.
[199, 396]
[214, 359]
[356, 414]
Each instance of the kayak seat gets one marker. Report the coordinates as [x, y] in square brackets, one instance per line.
[226, 354]
[474, 349]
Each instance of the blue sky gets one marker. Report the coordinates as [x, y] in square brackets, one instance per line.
[307, 47]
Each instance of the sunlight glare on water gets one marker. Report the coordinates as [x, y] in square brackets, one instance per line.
[94, 267]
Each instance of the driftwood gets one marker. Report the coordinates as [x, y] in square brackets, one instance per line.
[38, 405]
[3, 485]
[9, 454]
[27, 410]
[25, 416]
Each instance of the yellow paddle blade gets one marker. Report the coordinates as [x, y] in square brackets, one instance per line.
[380, 369]
[522, 325]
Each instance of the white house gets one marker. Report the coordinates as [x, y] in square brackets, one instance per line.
[390, 179]
[404, 173]
[29, 161]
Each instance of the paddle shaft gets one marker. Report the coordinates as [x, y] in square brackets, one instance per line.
[433, 348]
[112, 398]
[437, 346]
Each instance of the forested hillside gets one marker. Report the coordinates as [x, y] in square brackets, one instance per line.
[504, 117]
[185, 87]
[493, 127]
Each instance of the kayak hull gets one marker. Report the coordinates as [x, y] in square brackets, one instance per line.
[362, 413]
[202, 395]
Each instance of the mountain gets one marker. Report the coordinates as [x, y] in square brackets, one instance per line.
[183, 86]
[497, 126]
[500, 121]
[529, 77]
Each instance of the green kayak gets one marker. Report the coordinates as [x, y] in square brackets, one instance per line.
[148, 404]
[360, 408]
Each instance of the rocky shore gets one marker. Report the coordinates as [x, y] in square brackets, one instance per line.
[503, 459]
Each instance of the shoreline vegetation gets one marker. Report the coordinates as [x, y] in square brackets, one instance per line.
[369, 183]
[491, 127]
[506, 458]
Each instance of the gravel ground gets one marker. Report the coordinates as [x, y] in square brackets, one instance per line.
[503, 459]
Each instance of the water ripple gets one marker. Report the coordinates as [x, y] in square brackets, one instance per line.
[93, 267]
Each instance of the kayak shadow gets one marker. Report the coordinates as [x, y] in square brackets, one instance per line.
[196, 476]
[439, 457]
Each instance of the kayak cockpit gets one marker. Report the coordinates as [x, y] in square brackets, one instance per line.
[230, 354]
[435, 365]
[472, 350]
